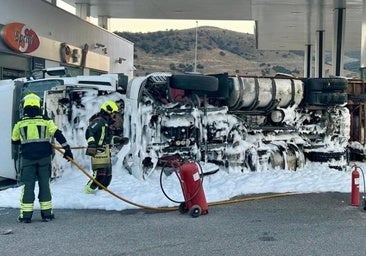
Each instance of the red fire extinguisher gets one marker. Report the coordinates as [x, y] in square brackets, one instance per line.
[355, 189]
[191, 181]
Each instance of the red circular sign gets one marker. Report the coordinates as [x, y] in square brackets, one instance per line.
[20, 38]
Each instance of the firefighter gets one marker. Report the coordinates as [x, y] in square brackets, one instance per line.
[100, 137]
[34, 133]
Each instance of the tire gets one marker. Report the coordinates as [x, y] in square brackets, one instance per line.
[183, 208]
[323, 157]
[195, 211]
[327, 99]
[194, 82]
[325, 84]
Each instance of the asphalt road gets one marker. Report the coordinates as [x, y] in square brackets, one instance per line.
[305, 224]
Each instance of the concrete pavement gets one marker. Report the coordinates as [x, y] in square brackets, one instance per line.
[304, 224]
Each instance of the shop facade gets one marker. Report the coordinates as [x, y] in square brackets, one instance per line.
[37, 35]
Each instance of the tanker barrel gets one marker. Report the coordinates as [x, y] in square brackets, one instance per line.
[251, 93]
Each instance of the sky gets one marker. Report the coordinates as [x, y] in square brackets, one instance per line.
[144, 25]
[152, 25]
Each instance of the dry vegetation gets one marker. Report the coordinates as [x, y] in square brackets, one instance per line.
[218, 51]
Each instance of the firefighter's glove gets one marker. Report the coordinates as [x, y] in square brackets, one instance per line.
[68, 153]
[91, 150]
[120, 140]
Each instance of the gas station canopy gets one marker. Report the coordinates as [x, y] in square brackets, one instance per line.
[280, 24]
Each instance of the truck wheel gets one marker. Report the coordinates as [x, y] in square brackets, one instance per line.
[325, 84]
[323, 157]
[195, 211]
[183, 208]
[194, 82]
[327, 99]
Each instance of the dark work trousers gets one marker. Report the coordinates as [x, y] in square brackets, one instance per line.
[103, 176]
[31, 171]
[102, 170]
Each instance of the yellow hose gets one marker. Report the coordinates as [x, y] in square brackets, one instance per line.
[231, 201]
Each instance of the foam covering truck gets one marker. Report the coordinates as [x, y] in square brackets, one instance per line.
[232, 122]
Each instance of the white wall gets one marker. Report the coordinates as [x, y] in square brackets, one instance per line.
[6, 97]
[56, 24]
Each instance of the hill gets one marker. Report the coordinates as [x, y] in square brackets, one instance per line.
[218, 50]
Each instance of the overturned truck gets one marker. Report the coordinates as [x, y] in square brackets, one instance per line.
[234, 122]
[248, 123]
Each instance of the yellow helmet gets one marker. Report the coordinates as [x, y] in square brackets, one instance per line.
[109, 106]
[32, 99]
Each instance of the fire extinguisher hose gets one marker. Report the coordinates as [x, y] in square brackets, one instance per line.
[175, 165]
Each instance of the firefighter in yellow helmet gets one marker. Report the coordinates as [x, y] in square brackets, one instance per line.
[100, 136]
[34, 133]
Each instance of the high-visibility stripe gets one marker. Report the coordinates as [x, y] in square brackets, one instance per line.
[25, 208]
[102, 136]
[41, 131]
[34, 130]
[22, 193]
[23, 132]
[91, 139]
[64, 144]
[31, 133]
[45, 205]
[101, 139]
[35, 140]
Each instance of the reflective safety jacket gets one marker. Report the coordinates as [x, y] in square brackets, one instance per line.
[34, 134]
[98, 131]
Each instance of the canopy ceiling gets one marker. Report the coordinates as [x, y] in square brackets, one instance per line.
[280, 24]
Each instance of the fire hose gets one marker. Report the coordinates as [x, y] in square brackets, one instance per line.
[106, 189]
[230, 201]
[175, 166]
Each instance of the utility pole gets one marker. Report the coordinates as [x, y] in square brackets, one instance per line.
[195, 50]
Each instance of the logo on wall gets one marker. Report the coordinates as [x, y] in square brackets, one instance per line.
[65, 53]
[20, 38]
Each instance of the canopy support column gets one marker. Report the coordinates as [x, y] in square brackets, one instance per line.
[319, 57]
[308, 61]
[338, 40]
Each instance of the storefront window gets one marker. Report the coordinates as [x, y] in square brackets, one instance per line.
[13, 66]
[95, 72]
[12, 73]
[74, 71]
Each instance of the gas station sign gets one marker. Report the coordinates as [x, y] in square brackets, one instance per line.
[20, 38]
